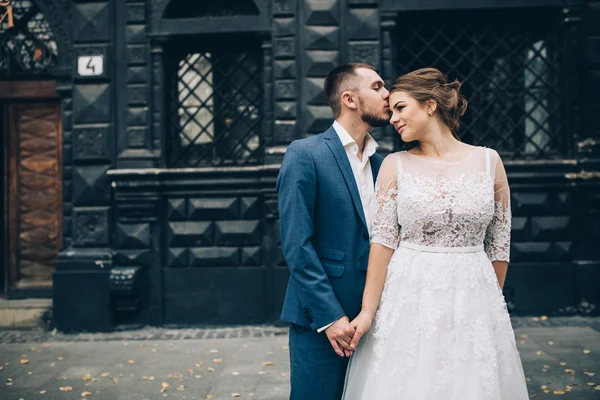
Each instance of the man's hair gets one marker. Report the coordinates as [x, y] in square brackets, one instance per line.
[337, 81]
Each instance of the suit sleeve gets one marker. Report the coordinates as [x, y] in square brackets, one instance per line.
[297, 190]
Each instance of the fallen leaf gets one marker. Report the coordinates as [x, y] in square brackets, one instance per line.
[586, 352]
[283, 374]
[199, 364]
[210, 369]
[131, 361]
[104, 374]
[543, 387]
[261, 372]
[42, 392]
[115, 380]
[524, 336]
[597, 387]
[590, 384]
[589, 373]
[86, 394]
[270, 353]
[287, 347]
[181, 388]
[52, 364]
[164, 386]
[86, 378]
[539, 353]
[250, 394]
[268, 363]
[569, 371]
[543, 318]
[59, 358]
[562, 363]
[535, 319]
[528, 379]
[235, 373]
[236, 395]
[33, 349]
[66, 388]
[208, 396]
[217, 360]
[1, 367]
[24, 361]
[198, 376]
[569, 388]
[213, 351]
[559, 392]
[550, 343]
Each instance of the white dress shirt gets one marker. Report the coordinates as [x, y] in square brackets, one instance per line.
[362, 175]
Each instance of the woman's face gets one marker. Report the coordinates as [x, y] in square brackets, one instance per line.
[409, 117]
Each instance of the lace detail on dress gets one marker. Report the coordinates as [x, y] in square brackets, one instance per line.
[442, 315]
[497, 237]
[440, 211]
[385, 229]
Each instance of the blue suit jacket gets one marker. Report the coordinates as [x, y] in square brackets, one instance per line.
[324, 233]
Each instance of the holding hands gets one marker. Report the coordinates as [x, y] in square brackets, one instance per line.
[345, 335]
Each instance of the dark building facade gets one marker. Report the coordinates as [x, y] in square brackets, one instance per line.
[142, 141]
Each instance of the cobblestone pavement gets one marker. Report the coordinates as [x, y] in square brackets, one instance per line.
[561, 357]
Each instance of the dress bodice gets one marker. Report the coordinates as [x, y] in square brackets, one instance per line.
[444, 204]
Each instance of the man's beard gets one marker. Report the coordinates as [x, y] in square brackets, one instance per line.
[368, 117]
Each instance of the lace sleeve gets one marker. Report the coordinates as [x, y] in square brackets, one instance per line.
[386, 230]
[497, 236]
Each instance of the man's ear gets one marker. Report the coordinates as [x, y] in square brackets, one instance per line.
[349, 99]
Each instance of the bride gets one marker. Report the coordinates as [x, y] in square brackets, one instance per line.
[439, 255]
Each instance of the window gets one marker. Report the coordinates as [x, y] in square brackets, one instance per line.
[216, 103]
[29, 45]
[510, 63]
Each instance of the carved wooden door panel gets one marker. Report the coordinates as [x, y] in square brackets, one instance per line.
[33, 179]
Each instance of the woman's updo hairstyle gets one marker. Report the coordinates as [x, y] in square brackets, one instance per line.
[429, 83]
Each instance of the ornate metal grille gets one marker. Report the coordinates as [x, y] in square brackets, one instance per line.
[29, 45]
[510, 64]
[216, 98]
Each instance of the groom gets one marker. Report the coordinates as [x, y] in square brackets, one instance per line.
[326, 189]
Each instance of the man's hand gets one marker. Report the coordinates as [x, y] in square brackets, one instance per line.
[340, 335]
[361, 324]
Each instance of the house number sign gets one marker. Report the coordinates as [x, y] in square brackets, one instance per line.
[90, 65]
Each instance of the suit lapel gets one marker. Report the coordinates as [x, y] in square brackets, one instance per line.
[375, 165]
[335, 145]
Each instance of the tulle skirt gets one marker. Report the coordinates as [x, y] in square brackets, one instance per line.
[442, 332]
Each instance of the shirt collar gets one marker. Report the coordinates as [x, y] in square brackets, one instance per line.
[371, 145]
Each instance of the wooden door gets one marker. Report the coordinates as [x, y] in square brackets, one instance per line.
[33, 193]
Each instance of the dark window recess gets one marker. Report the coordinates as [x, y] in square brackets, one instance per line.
[29, 45]
[220, 8]
[216, 95]
[510, 63]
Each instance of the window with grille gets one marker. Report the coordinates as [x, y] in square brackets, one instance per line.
[216, 103]
[29, 45]
[511, 66]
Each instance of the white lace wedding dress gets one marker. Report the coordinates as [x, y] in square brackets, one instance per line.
[442, 330]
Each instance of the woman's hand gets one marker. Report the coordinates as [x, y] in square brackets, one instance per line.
[361, 324]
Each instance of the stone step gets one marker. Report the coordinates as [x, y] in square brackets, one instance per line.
[24, 314]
